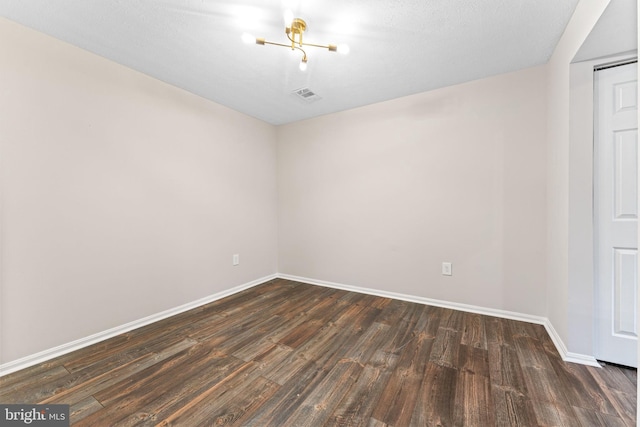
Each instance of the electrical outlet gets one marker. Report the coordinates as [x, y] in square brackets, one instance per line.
[236, 259]
[446, 269]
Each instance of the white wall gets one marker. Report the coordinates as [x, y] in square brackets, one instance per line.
[379, 196]
[121, 196]
[581, 256]
[564, 238]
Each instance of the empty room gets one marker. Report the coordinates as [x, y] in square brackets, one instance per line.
[318, 213]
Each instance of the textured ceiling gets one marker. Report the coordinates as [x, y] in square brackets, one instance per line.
[397, 47]
[615, 32]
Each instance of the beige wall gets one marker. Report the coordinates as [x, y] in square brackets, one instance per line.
[121, 196]
[379, 196]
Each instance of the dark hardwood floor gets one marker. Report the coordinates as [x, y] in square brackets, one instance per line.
[292, 354]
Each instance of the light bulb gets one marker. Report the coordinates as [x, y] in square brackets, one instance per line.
[343, 49]
[288, 18]
[303, 65]
[248, 38]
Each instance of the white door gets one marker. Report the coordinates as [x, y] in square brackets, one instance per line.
[616, 213]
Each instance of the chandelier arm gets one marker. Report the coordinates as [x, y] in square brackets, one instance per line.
[274, 43]
[304, 54]
[293, 41]
[315, 45]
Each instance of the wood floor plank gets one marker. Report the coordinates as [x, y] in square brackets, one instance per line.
[613, 378]
[28, 388]
[292, 354]
[288, 398]
[334, 341]
[587, 417]
[83, 408]
[544, 386]
[631, 374]
[375, 423]
[436, 399]
[452, 319]
[512, 408]
[375, 301]
[268, 340]
[586, 395]
[367, 344]
[529, 330]
[101, 374]
[531, 353]
[190, 391]
[394, 311]
[505, 369]
[497, 331]
[473, 331]
[24, 377]
[246, 335]
[137, 344]
[446, 348]
[624, 403]
[473, 360]
[95, 384]
[473, 401]
[326, 345]
[555, 415]
[244, 403]
[359, 402]
[203, 367]
[302, 333]
[213, 404]
[349, 369]
[318, 406]
[399, 397]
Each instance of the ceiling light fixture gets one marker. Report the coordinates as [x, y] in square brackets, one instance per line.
[294, 28]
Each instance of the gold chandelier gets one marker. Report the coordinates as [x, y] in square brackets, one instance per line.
[294, 29]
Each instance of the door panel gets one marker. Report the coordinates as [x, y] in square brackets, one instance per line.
[625, 266]
[616, 214]
[626, 174]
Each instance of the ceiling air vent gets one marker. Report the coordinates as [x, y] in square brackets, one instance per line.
[306, 94]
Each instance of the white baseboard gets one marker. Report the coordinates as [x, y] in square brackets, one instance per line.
[557, 341]
[51, 353]
[60, 350]
[566, 355]
[422, 300]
